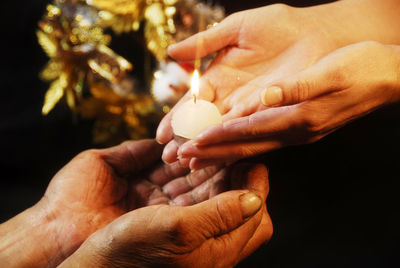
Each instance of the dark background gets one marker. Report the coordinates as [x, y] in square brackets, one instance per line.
[333, 203]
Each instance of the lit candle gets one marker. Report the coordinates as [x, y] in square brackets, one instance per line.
[194, 115]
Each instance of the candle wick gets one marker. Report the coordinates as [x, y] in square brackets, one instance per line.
[194, 98]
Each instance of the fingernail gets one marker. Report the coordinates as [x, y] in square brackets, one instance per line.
[159, 142]
[272, 96]
[199, 136]
[250, 203]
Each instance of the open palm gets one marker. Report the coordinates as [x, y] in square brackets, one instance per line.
[98, 186]
[261, 46]
[255, 47]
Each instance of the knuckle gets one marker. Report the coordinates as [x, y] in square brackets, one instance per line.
[313, 123]
[370, 44]
[338, 76]
[301, 90]
[280, 8]
[225, 215]
[126, 143]
[246, 151]
[233, 17]
[281, 11]
[89, 154]
[251, 128]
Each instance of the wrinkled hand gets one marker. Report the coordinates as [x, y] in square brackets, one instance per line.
[341, 87]
[263, 45]
[98, 186]
[216, 233]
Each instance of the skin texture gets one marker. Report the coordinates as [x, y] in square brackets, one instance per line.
[99, 187]
[259, 47]
[341, 87]
[215, 233]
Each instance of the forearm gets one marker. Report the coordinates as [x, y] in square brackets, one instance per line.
[29, 240]
[353, 21]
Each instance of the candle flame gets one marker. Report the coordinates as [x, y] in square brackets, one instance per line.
[194, 87]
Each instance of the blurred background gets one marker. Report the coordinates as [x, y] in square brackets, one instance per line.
[334, 203]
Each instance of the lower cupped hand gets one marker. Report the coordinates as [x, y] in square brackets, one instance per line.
[215, 233]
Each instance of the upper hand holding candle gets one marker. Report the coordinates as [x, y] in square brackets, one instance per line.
[345, 85]
[263, 45]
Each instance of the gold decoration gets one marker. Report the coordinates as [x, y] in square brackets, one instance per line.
[54, 94]
[94, 81]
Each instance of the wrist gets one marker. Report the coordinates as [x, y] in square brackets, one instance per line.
[33, 234]
[353, 21]
[89, 254]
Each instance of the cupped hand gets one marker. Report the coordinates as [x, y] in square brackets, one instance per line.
[98, 186]
[266, 44]
[341, 87]
[216, 233]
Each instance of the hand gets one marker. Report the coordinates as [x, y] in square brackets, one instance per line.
[263, 45]
[341, 87]
[216, 233]
[91, 191]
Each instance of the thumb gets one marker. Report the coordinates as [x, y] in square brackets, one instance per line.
[207, 42]
[231, 215]
[132, 156]
[317, 80]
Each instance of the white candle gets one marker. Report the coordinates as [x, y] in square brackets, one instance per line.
[193, 116]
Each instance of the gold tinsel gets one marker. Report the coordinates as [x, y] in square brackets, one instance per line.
[91, 77]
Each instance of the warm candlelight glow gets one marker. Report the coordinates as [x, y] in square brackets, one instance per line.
[195, 115]
[195, 84]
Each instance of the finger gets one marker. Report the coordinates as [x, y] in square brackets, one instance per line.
[246, 90]
[321, 78]
[184, 162]
[170, 151]
[207, 42]
[165, 173]
[237, 150]
[190, 181]
[253, 177]
[230, 216]
[225, 212]
[220, 185]
[164, 131]
[262, 235]
[145, 193]
[195, 196]
[206, 190]
[196, 163]
[256, 180]
[132, 156]
[260, 124]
